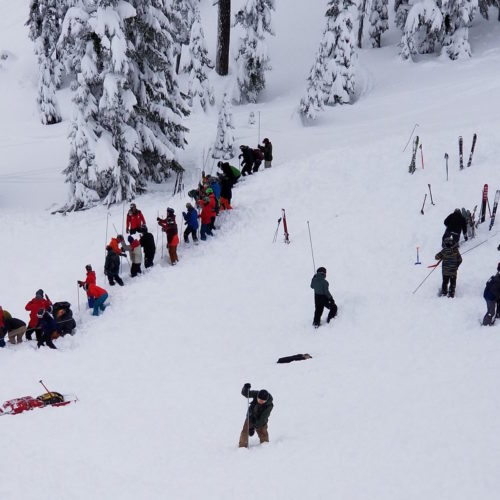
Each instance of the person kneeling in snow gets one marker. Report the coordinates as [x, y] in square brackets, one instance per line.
[99, 295]
[258, 415]
[48, 326]
[322, 297]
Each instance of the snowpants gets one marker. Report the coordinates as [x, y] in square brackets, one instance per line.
[267, 163]
[172, 251]
[261, 432]
[489, 317]
[205, 229]
[320, 302]
[190, 231]
[452, 280]
[16, 335]
[99, 304]
[112, 278]
[135, 269]
[212, 223]
[225, 204]
[148, 260]
[46, 338]
[247, 168]
[256, 165]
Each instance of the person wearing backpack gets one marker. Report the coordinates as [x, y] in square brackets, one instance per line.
[267, 149]
[451, 258]
[100, 295]
[147, 241]
[258, 156]
[112, 267]
[191, 219]
[248, 160]
[491, 295]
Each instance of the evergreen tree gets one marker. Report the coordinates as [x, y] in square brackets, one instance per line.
[339, 53]
[401, 8]
[182, 15]
[252, 59]
[199, 89]
[103, 138]
[379, 21]
[160, 108]
[458, 15]
[485, 4]
[43, 25]
[312, 102]
[224, 142]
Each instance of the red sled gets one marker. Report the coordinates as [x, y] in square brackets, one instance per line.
[18, 405]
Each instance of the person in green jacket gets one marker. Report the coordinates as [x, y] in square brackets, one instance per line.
[257, 416]
[322, 297]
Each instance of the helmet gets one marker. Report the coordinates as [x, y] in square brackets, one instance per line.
[265, 140]
[209, 191]
[170, 210]
[39, 294]
[448, 242]
[132, 206]
[88, 267]
[321, 270]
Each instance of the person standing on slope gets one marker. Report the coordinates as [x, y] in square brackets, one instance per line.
[267, 149]
[112, 267]
[452, 259]
[39, 301]
[455, 224]
[322, 297]
[191, 219]
[135, 219]
[90, 278]
[148, 244]
[492, 296]
[169, 225]
[257, 416]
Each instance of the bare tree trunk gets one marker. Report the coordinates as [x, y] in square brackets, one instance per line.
[223, 38]
[361, 22]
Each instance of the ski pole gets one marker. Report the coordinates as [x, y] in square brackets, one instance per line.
[422, 156]
[446, 158]
[106, 242]
[41, 382]
[78, 295]
[157, 227]
[312, 252]
[258, 136]
[123, 218]
[411, 135]
[276, 232]
[418, 259]
[423, 204]
[430, 192]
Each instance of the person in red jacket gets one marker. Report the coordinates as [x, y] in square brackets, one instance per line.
[135, 219]
[206, 218]
[98, 294]
[90, 278]
[213, 207]
[169, 225]
[39, 301]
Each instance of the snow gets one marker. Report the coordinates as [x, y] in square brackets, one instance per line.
[400, 399]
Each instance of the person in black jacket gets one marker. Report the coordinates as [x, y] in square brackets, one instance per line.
[48, 326]
[322, 297]
[492, 296]
[248, 160]
[112, 267]
[257, 416]
[455, 224]
[267, 149]
[147, 242]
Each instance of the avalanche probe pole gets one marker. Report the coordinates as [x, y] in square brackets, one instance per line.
[276, 232]
[423, 204]
[312, 251]
[422, 155]
[78, 295]
[106, 242]
[41, 382]
[248, 418]
[430, 192]
[411, 135]
[446, 158]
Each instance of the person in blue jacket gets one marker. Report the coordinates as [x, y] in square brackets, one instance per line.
[191, 218]
[48, 325]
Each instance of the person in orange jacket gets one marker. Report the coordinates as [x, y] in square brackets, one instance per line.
[90, 278]
[206, 218]
[39, 301]
[99, 295]
[169, 225]
[135, 219]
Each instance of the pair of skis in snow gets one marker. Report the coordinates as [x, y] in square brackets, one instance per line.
[484, 203]
[461, 151]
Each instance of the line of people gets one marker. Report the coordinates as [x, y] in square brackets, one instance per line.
[48, 321]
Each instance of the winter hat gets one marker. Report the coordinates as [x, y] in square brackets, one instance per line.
[170, 210]
[209, 191]
[321, 270]
[265, 140]
[119, 237]
[88, 267]
[263, 395]
[188, 205]
[39, 294]
[219, 164]
[40, 313]
[130, 239]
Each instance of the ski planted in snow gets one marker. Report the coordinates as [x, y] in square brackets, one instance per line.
[461, 152]
[474, 140]
[285, 227]
[495, 206]
[412, 166]
[483, 203]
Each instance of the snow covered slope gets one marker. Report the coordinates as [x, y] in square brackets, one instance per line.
[400, 399]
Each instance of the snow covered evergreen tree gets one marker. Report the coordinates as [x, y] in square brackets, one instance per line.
[312, 102]
[485, 4]
[252, 59]
[422, 30]
[401, 8]
[379, 21]
[458, 15]
[160, 108]
[199, 91]
[182, 14]
[43, 25]
[339, 53]
[103, 138]
[224, 142]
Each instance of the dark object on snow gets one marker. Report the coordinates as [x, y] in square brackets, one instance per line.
[63, 316]
[296, 357]
[18, 405]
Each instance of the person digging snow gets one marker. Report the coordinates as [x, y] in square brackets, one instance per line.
[491, 295]
[99, 295]
[258, 415]
[322, 297]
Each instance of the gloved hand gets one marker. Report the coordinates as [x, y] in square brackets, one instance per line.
[123, 254]
[80, 283]
[184, 214]
[247, 385]
[127, 230]
[158, 219]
